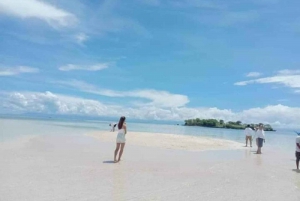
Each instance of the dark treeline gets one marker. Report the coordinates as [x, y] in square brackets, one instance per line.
[214, 123]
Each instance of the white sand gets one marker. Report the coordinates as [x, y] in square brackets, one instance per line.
[64, 166]
[169, 141]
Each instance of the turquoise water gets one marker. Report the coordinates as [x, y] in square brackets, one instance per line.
[282, 140]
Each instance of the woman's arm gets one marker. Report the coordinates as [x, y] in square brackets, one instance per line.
[125, 128]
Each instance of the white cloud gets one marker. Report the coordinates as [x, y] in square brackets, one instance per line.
[273, 113]
[158, 98]
[50, 103]
[96, 67]
[288, 72]
[39, 10]
[108, 20]
[253, 74]
[81, 37]
[17, 70]
[288, 78]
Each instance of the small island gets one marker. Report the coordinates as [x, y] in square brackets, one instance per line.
[214, 123]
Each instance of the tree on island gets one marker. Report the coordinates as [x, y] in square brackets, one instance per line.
[214, 123]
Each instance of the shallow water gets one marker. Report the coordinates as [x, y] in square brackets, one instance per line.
[11, 128]
[63, 164]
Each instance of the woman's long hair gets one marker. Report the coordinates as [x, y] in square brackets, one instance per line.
[121, 122]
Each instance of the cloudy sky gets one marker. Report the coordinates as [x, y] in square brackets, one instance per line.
[152, 59]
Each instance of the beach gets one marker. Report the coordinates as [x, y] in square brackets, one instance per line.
[169, 141]
[44, 162]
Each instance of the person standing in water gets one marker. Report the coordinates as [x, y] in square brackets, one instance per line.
[248, 134]
[255, 130]
[120, 142]
[260, 135]
[113, 126]
[297, 150]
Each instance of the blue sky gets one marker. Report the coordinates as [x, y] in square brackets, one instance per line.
[152, 59]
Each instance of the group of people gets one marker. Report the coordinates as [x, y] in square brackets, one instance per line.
[259, 136]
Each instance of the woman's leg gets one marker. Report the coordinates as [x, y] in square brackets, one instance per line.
[261, 144]
[258, 146]
[121, 151]
[116, 151]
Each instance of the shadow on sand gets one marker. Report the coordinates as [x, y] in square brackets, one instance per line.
[108, 161]
[295, 170]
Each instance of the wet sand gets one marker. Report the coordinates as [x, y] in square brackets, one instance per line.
[67, 166]
[169, 141]
[81, 168]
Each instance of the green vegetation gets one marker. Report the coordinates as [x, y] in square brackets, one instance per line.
[213, 123]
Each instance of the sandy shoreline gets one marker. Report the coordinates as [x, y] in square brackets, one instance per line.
[78, 168]
[46, 163]
[169, 141]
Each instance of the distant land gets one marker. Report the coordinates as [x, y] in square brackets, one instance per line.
[214, 123]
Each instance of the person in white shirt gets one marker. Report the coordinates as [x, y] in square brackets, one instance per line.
[113, 126]
[121, 140]
[260, 137]
[255, 130]
[248, 135]
[297, 150]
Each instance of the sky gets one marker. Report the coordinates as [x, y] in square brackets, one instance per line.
[152, 59]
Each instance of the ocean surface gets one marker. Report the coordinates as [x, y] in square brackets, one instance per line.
[12, 128]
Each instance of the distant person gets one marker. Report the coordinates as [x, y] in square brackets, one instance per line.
[248, 135]
[255, 130]
[113, 126]
[122, 130]
[297, 150]
[260, 138]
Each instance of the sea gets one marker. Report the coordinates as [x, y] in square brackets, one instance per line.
[11, 128]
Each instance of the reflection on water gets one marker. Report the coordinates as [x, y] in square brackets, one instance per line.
[248, 153]
[258, 160]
